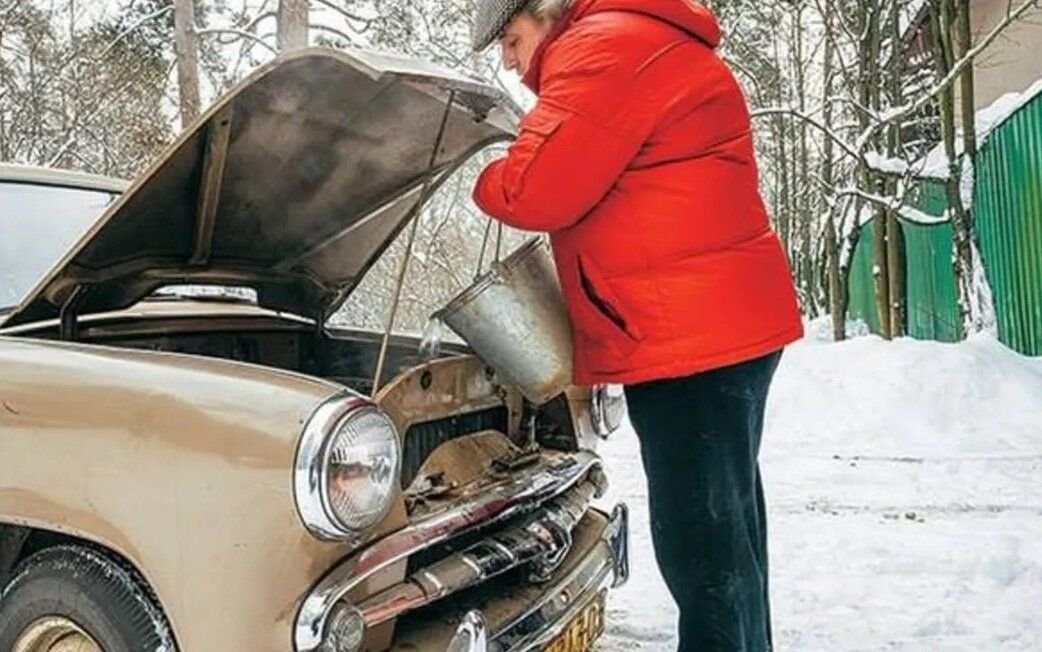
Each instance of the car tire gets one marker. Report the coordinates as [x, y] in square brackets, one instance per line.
[76, 587]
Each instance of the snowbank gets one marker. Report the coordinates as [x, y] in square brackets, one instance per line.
[905, 497]
[908, 397]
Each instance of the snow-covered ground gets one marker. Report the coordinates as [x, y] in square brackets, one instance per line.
[905, 489]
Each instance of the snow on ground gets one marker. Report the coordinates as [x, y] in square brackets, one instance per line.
[905, 502]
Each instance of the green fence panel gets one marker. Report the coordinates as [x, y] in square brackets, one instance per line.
[933, 305]
[932, 298]
[1008, 208]
[861, 286]
[933, 309]
[931, 197]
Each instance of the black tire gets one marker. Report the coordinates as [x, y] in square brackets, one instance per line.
[103, 598]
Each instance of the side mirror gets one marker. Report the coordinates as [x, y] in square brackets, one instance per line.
[608, 409]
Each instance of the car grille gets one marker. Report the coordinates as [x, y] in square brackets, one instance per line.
[421, 439]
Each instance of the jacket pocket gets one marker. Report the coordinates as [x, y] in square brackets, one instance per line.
[603, 312]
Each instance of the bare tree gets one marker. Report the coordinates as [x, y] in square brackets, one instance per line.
[81, 94]
[964, 42]
[949, 50]
[879, 125]
[186, 48]
[836, 290]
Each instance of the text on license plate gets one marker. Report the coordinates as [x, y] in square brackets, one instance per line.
[584, 629]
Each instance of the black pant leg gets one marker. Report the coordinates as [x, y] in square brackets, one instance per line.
[700, 439]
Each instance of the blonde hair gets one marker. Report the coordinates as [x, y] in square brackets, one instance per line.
[548, 9]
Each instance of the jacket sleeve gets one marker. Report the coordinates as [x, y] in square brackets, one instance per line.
[567, 156]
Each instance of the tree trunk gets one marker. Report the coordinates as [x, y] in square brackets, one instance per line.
[836, 288]
[844, 269]
[895, 251]
[872, 95]
[947, 56]
[784, 214]
[881, 271]
[966, 82]
[895, 256]
[837, 305]
[292, 25]
[803, 212]
[186, 47]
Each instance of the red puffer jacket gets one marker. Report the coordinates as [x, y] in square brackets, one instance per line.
[638, 160]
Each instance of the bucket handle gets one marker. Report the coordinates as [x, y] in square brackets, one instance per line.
[498, 257]
[484, 246]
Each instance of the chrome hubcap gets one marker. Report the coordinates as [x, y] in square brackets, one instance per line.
[55, 634]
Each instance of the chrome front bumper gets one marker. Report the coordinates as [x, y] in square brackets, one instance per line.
[606, 566]
[558, 488]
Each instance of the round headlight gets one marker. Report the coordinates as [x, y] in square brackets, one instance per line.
[347, 469]
[361, 469]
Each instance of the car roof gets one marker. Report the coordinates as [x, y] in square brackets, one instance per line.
[44, 176]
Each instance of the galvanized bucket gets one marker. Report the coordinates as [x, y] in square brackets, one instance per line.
[514, 318]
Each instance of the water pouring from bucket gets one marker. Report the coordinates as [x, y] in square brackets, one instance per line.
[430, 342]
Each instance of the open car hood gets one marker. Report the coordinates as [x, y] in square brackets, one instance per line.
[293, 184]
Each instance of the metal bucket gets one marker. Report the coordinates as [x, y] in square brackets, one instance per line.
[514, 318]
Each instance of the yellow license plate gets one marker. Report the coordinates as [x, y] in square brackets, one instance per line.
[584, 629]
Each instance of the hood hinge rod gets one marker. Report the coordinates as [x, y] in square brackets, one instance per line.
[414, 216]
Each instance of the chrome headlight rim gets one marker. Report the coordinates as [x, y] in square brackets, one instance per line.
[310, 478]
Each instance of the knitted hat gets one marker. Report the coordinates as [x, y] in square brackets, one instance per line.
[492, 17]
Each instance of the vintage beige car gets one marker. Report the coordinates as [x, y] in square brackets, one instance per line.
[215, 473]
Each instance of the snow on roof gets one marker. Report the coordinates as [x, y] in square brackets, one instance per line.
[886, 165]
[935, 164]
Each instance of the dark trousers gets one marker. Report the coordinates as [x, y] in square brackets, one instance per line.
[699, 440]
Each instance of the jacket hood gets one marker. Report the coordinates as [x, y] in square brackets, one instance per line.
[689, 16]
[692, 17]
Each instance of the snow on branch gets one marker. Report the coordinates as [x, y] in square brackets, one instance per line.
[896, 204]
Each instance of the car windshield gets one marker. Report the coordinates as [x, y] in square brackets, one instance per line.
[38, 224]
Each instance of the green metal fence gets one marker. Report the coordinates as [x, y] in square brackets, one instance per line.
[933, 309]
[861, 285]
[933, 304]
[1008, 210]
[1008, 214]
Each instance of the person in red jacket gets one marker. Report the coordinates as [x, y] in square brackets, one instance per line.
[638, 161]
